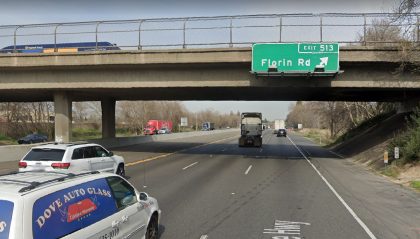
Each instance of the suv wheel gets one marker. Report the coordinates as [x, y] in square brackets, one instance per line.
[121, 170]
[152, 228]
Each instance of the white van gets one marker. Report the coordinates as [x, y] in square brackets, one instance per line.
[47, 205]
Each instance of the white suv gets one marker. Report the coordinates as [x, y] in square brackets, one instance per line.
[92, 205]
[72, 158]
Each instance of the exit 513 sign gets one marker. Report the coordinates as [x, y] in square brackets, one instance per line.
[295, 57]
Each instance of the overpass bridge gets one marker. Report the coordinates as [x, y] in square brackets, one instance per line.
[370, 73]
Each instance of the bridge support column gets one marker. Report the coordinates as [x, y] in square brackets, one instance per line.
[63, 116]
[108, 118]
[407, 106]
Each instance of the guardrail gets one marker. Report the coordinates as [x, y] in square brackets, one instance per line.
[221, 31]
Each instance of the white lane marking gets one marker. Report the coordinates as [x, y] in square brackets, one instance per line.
[204, 237]
[189, 165]
[283, 229]
[361, 223]
[247, 171]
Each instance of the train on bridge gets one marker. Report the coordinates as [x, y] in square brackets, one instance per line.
[61, 47]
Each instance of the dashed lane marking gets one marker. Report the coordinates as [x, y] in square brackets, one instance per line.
[357, 218]
[204, 237]
[189, 166]
[175, 152]
[247, 171]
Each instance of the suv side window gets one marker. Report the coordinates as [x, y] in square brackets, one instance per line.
[123, 192]
[100, 152]
[77, 153]
[89, 152]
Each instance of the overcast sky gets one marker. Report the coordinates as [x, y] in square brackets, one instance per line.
[13, 12]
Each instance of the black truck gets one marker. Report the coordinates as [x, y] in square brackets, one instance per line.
[251, 129]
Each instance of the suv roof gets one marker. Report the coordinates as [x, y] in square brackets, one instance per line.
[24, 182]
[62, 146]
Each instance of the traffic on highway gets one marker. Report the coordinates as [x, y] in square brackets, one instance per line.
[205, 187]
[210, 119]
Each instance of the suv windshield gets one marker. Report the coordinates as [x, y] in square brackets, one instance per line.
[44, 155]
[6, 209]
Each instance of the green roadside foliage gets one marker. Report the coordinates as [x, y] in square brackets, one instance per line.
[391, 171]
[318, 135]
[415, 184]
[408, 141]
[85, 134]
[5, 140]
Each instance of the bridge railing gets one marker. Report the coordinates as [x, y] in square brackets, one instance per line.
[223, 31]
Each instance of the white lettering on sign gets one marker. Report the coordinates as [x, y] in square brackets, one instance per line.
[58, 203]
[303, 62]
[276, 63]
[324, 62]
[309, 47]
[286, 230]
[2, 226]
[396, 153]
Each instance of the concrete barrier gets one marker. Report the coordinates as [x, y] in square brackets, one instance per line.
[16, 152]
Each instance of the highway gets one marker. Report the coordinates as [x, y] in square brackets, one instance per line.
[208, 187]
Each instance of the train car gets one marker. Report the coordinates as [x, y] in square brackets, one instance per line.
[61, 47]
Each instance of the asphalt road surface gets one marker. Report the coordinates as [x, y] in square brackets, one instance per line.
[208, 187]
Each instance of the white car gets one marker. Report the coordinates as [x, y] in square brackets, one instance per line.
[72, 158]
[164, 131]
[91, 205]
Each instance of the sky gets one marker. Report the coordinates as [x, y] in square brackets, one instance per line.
[14, 12]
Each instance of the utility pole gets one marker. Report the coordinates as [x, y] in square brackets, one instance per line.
[196, 126]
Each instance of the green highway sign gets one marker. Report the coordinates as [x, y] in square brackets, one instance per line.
[295, 57]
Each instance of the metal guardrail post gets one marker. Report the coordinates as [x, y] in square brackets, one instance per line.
[418, 29]
[96, 35]
[230, 33]
[55, 37]
[280, 27]
[364, 30]
[184, 29]
[139, 45]
[15, 38]
[320, 27]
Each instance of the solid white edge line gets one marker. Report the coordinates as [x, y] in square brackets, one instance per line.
[361, 223]
[189, 165]
[247, 171]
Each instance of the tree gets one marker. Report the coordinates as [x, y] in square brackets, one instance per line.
[382, 33]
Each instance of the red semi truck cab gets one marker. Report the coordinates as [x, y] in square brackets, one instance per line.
[153, 126]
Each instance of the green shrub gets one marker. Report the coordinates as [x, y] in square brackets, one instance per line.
[85, 133]
[408, 141]
[415, 184]
[391, 171]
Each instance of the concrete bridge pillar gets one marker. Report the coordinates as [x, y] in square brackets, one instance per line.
[63, 116]
[108, 118]
[407, 106]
